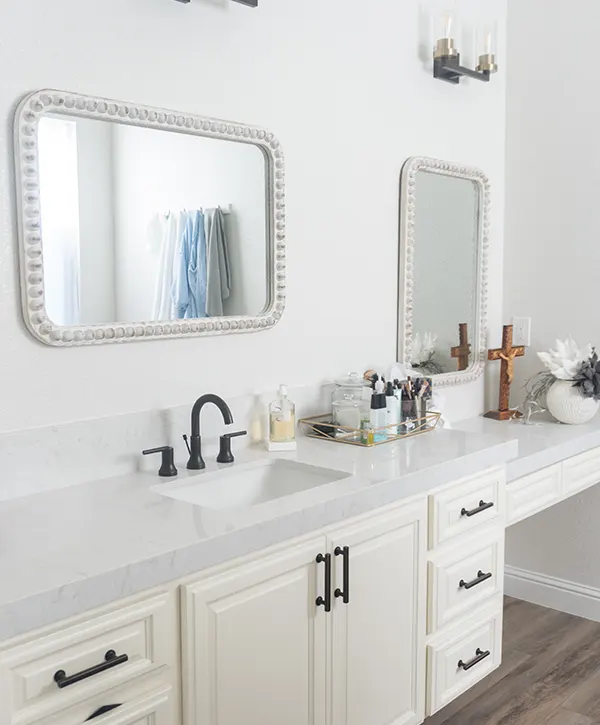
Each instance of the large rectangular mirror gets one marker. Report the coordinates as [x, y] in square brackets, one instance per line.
[443, 245]
[138, 223]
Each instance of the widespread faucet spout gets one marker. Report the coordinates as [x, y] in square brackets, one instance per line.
[196, 462]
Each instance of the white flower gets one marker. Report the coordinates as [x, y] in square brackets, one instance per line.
[423, 348]
[565, 361]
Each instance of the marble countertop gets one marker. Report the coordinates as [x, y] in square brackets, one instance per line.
[66, 551]
[542, 442]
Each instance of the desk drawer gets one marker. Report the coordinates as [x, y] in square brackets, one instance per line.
[141, 635]
[463, 578]
[530, 494]
[581, 471]
[148, 700]
[466, 505]
[454, 666]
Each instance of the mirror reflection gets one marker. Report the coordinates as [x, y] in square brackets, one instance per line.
[142, 224]
[446, 262]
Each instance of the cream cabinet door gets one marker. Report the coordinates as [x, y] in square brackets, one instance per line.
[254, 642]
[378, 649]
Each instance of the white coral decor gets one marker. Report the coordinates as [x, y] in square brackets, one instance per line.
[564, 362]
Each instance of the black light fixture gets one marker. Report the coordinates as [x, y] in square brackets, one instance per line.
[446, 59]
[249, 3]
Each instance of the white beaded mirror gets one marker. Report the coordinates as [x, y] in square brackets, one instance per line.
[443, 285]
[139, 223]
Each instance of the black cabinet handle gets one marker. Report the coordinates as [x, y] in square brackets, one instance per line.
[110, 660]
[102, 711]
[480, 655]
[325, 601]
[345, 593]
[483, 506]
[481, 577]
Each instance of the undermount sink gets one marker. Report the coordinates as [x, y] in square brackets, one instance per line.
[247, 485]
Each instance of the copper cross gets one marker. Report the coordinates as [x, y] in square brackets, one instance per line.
[507, 353]
[463, 350]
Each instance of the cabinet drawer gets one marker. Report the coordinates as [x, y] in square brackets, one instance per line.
[530, 494]
[459, 663]
[464, 577]
[466, 505]
[581, 471]
[145, 632]
[148, 700]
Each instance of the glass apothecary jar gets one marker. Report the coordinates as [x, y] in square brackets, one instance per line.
[348, 401]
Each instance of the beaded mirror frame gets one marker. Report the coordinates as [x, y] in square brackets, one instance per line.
[406, 264]
[31, 235]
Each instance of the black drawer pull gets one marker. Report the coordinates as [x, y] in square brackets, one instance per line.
[483, 506]
[345, 594]
[325, 601]
[480, 655]
[481, 577]
[102, 711]
[110, 660]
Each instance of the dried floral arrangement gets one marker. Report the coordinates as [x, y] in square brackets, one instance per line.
[423, 354]
[568, 362]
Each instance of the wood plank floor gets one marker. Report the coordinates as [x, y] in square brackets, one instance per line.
[550, 674]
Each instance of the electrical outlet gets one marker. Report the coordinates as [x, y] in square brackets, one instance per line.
[522, 331]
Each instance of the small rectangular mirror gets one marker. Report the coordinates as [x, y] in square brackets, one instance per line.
[442, 313]
[140, 223]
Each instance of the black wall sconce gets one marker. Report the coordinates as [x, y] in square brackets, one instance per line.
[446, 60]
[249, 3]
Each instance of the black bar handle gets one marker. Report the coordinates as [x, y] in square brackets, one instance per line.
[111, 659]
[480, 655]
[345, 593]
[483, 506]
[326, 600]
[481, 577]
[102, 711]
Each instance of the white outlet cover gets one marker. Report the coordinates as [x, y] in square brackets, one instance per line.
[522, 331]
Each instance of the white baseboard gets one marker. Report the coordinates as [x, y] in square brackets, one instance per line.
[548, 591]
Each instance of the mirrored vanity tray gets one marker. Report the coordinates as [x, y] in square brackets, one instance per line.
[323, 427]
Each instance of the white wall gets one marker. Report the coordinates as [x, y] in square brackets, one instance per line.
[346, 85]
[96, 214]
[552, 232]
[158, 171]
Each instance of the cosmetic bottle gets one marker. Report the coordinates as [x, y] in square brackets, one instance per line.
[365, 415]
[409, 407]
[392, 410]
[424, 390]
[379, 412]
[282, 422]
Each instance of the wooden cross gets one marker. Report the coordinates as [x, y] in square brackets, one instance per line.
[507, 353]
[463, 350]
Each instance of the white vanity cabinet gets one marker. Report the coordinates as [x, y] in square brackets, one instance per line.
[260, 648]
[125, 654]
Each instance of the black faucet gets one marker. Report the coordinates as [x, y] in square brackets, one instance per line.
[196, 462]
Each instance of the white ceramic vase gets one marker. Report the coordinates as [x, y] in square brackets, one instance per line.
[568, 405]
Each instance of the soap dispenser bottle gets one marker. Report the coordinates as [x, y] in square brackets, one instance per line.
[282, 422]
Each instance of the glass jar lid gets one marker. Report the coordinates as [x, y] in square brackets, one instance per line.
[351, 380]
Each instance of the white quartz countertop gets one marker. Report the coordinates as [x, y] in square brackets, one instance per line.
[66, 551]
[542, 442]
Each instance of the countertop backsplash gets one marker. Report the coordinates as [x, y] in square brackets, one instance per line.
[42, 459]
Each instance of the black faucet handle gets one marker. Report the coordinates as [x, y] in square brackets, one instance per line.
[225, 454]
[236, 434]
[167, 468]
